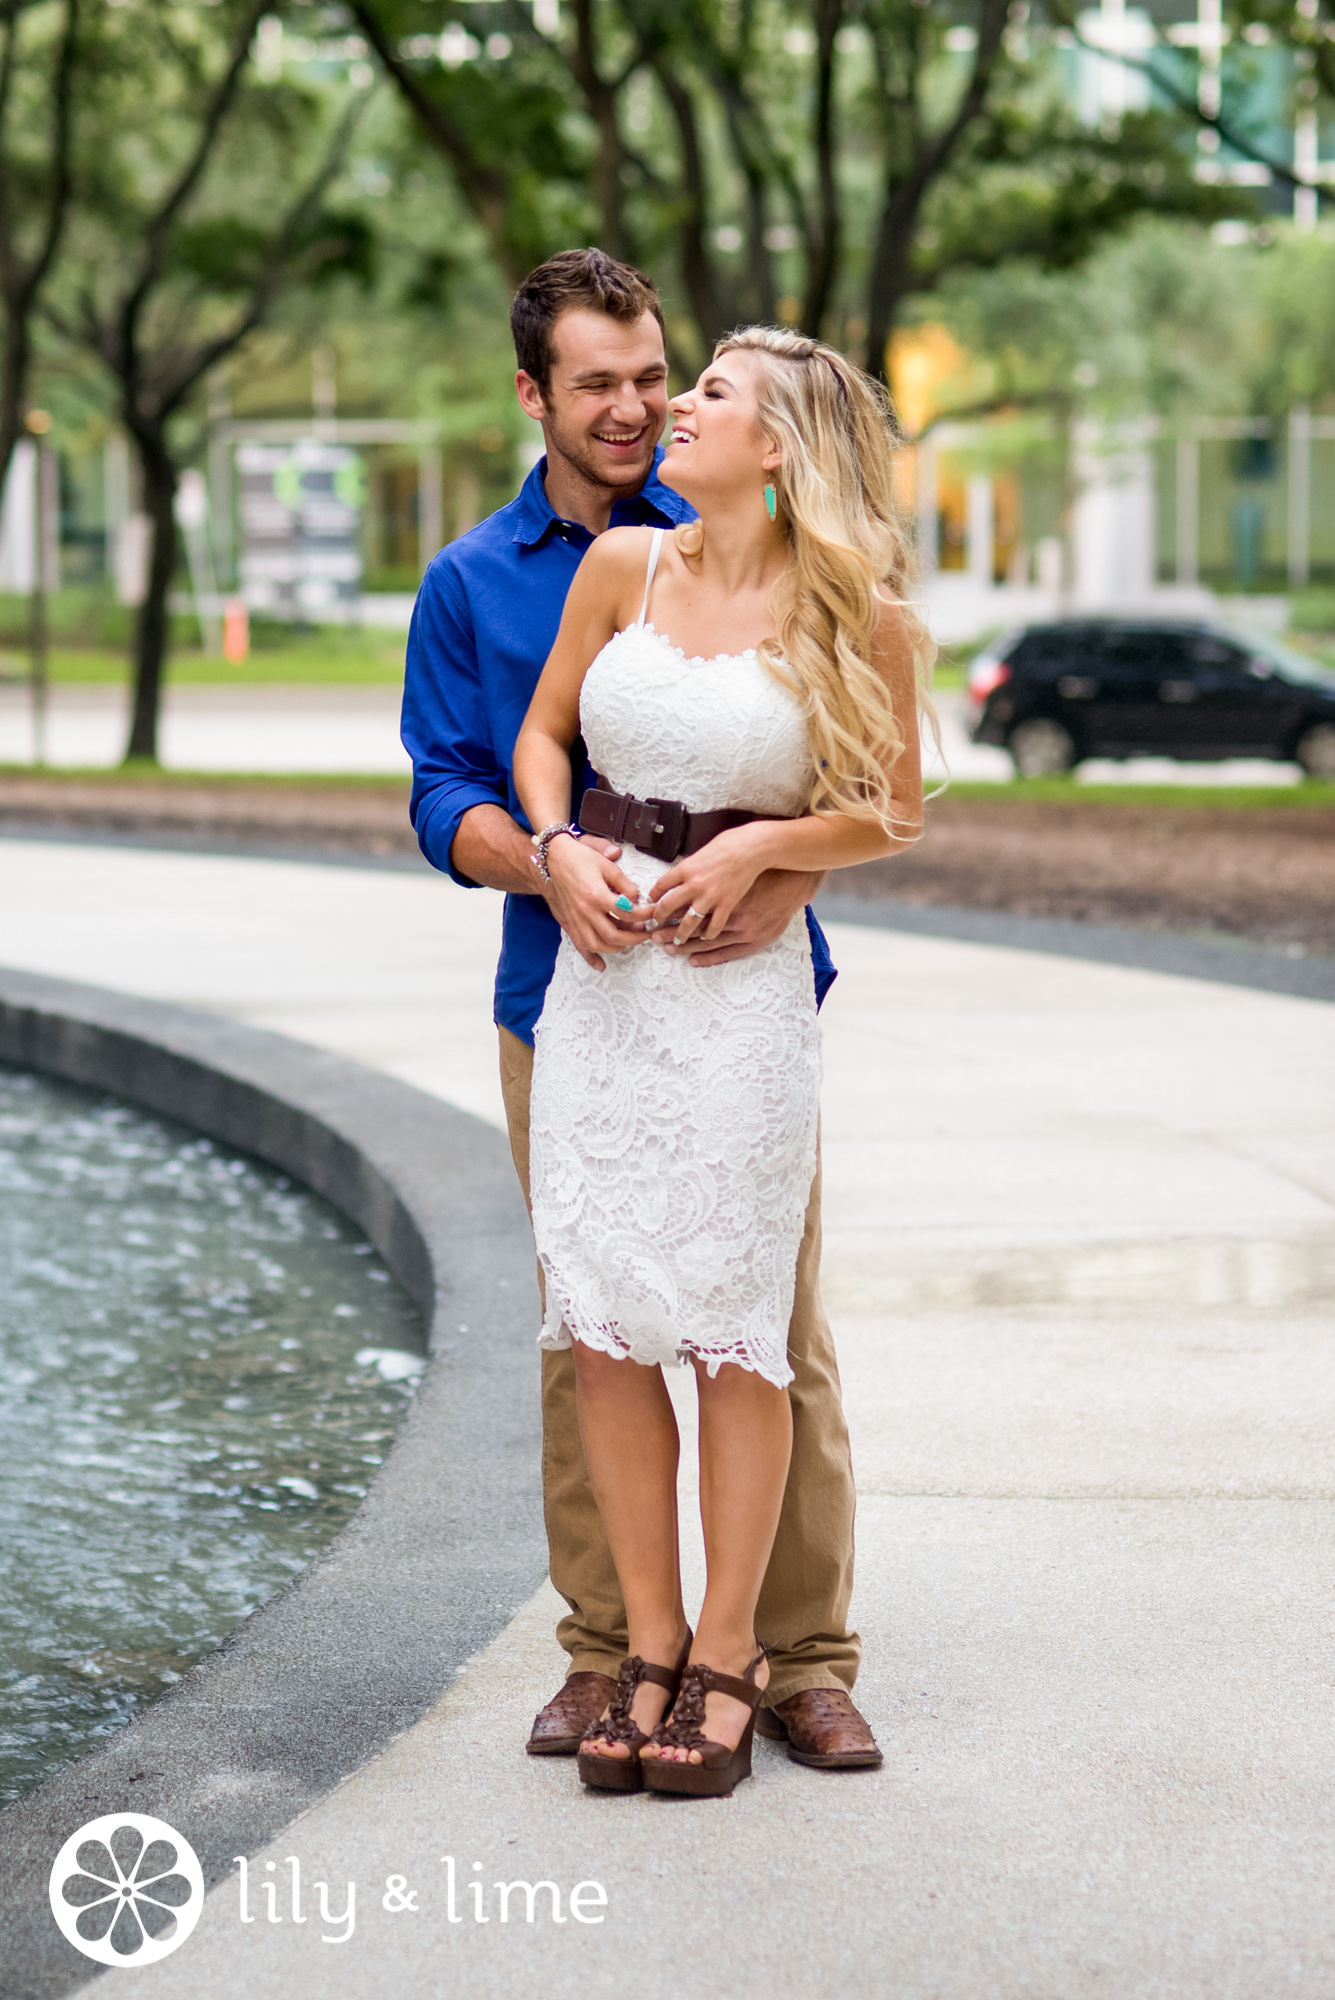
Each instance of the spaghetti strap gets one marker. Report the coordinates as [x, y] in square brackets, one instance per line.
[655, 546]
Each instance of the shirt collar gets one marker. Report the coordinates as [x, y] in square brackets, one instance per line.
[654, 506]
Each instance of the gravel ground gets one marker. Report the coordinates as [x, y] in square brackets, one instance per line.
[1261, 873]
[364, 819]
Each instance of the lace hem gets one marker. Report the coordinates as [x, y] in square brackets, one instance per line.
[653, 1349]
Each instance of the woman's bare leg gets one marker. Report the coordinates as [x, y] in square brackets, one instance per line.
[629, 1432]
[746, 1440]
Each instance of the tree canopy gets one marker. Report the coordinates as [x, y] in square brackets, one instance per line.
[818, 162]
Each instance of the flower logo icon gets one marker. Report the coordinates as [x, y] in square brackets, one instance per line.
[126, 1889]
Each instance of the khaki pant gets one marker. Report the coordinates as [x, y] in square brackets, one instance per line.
[803, 1607]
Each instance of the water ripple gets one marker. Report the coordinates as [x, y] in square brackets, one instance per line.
[195, 1355]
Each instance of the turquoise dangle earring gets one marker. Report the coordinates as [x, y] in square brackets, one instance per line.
[771, 500]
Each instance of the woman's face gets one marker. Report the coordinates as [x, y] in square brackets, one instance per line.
[716, 446]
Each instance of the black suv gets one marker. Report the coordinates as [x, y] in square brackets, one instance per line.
[1103, 687]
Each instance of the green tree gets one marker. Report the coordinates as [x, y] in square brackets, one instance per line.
[38, 56]
[821, 162]
[201, 196]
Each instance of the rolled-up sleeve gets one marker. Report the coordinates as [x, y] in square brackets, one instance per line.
[445, 727]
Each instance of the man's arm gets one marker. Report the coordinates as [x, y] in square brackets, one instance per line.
[762, 915]
[494, 851]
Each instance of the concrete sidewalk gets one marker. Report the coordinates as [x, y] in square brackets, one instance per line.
[1080, 1257]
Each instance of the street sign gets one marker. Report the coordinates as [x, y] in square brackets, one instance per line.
[301, 508]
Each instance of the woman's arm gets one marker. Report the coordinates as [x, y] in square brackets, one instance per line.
[584, 882]
[714, 880]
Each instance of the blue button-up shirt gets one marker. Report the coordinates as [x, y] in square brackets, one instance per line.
[485, 620]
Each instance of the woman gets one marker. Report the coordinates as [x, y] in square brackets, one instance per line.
[674, 1109]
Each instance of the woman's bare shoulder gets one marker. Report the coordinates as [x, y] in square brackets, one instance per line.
[619, 552]
[611, 573]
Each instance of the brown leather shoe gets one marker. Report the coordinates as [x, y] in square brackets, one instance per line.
[560, 1728]
[822, 1728]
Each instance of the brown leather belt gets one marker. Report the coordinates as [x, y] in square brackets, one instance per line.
[661, 827]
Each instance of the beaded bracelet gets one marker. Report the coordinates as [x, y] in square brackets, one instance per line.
[542, 841]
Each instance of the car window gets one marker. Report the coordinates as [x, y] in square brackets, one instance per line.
[1162, 653]
[1215, 655]
[1043, 652]
[1130, 653]
[1290, 665]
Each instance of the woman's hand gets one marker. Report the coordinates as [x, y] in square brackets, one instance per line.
[584, 886]
[710, 884]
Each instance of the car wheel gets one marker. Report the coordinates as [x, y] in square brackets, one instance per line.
[1042, 748]
[1316, 750]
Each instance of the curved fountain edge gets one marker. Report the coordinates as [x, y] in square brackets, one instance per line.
[448, 1542]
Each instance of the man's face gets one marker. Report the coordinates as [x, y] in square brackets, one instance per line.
[606, 403]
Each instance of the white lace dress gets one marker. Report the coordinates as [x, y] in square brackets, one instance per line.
[673, 1120]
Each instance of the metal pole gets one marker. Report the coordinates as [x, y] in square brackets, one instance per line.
[430, 504]
[1306, 164]
[981, 530]
[1188, 510]
[1300, 496]
[220, 478]
[925, 507]
[324, 393]
[43, 464]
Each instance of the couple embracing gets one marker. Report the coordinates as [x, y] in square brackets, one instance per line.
[655, 699]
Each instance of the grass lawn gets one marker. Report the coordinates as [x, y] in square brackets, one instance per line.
[153, 774]
[1016, 791]
[330, 656]
[1200, 798]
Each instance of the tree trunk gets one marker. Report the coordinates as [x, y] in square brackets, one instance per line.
[907, 188]
[151, 625]
[486, 190]
[600, 98]
[766, 304]
[823, 254]
[13, 380]
[890, 272]
[710, 312]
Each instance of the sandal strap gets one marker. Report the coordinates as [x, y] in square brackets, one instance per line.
[682, 1727]
[663, 1677]
[618, 1725]
[740, 1690]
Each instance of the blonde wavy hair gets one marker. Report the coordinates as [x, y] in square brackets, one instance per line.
[837, 503]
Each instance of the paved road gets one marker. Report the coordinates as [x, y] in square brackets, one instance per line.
[1080, 1257]
[217, 728]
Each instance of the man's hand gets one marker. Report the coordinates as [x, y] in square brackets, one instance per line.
[763, 914]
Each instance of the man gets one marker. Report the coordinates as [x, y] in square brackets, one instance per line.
[588, 337]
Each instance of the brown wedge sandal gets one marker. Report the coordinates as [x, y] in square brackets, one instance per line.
[720, 1768]
[626, 1774]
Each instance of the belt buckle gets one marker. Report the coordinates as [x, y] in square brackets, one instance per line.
[669, 834]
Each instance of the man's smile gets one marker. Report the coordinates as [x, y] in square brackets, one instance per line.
[622, 440]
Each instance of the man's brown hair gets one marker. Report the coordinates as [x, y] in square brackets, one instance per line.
[575, 278]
